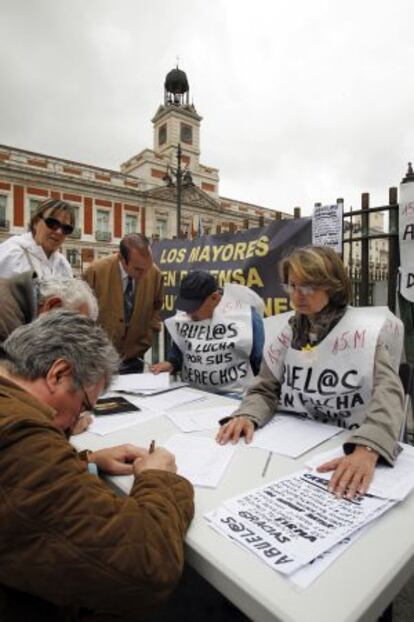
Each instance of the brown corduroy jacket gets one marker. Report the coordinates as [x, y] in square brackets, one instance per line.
[105, 279]
[68, 544]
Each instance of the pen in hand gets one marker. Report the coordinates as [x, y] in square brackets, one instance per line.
[151, 447]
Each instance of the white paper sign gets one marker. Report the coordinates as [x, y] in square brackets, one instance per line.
[327, 226]
[406, 235]
[291, 521]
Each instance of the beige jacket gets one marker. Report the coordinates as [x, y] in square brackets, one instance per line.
[136, 338]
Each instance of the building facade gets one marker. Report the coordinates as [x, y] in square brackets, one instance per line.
[141, 197]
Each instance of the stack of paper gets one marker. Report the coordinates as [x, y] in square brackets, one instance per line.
[141, 383]
[160, 403]
[389, 482]
[294, 520]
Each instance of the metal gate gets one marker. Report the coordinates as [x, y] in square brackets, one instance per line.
[371, 251]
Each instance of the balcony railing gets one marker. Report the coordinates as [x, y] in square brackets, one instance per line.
[4, 225]
[76, 233]
[103, 236]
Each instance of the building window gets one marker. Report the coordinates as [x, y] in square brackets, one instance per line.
[33, 205]
[161, 228]
[131, 223]
[103, 226]
[3, 209]
[186, 133]
[162, 134]
[102, 220]
[73, 257]
[77, 227]
[75, 209]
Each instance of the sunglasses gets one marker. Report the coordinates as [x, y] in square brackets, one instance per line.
[54, 224]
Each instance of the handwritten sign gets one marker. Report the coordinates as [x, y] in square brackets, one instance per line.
[327, 226]
[406, 235]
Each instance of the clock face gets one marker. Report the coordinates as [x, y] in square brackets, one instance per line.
[186, 133]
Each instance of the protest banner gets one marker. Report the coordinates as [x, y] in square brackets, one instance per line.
[247, 257]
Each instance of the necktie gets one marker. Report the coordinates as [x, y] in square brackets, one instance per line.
[128, 300]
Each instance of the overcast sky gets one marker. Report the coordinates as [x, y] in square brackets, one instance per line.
[302, 101]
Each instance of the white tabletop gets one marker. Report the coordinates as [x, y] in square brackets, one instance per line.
[357, 586]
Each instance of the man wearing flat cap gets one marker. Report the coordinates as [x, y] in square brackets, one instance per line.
[217, 335]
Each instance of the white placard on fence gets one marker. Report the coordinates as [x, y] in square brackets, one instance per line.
[327, 226]
[406, 235]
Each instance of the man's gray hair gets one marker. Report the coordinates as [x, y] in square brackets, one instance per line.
[73, 293]
[30, 351]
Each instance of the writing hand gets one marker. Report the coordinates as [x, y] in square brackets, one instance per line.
[160, 459]
[352, 473]
[118, 460]
[234, 429]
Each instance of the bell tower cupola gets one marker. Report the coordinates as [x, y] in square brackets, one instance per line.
[176, 89]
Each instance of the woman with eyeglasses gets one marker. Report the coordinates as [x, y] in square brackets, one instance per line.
[38, 250]
[332, 363]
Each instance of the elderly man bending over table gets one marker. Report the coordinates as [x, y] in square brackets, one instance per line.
[70, 548]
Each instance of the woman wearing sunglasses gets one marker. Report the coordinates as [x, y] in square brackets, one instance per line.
[332, 363]
[38, 250]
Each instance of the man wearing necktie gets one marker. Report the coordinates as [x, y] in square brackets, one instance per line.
[129, 298]
[129, 290]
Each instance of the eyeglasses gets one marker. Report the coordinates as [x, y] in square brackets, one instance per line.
[305, 290]
[86, 400]
[54, 224]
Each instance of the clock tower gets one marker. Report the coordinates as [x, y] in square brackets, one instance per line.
[177, 121]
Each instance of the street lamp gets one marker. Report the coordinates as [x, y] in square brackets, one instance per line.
[182, 179]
